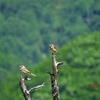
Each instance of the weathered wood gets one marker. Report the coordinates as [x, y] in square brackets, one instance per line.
[54, 85]
[24, 90]
[27, 93]
[55, 65]
[55, 88]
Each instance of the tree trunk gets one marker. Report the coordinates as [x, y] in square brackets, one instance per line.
[54, 85]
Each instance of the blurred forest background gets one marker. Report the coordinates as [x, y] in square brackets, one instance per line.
[27, 27]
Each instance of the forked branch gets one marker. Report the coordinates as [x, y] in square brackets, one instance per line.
[27, 93]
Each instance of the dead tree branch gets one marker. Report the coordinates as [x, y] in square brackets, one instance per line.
[55, 65]
[54, 85]
[36, 88]
[27, 93]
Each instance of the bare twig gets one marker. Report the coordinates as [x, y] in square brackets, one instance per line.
[36, 88]
[27, 93]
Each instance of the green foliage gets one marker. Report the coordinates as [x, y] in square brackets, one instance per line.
[27, 27]
[81, 66]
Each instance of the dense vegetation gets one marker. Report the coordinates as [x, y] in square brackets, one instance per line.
[81, 67]
[26, 29]
[28, 26]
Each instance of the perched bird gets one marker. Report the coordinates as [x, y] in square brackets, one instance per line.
[53, 49]
[25, 71]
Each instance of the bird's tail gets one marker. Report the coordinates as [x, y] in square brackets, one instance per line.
[59, 53]
[33, 74]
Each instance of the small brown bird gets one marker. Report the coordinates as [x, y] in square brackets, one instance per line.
[25, 71]
[54, 49]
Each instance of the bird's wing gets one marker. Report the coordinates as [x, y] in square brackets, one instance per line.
[55, 48]
[26, 70]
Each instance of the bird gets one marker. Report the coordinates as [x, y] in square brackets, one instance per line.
[53, 49]
[25, 71]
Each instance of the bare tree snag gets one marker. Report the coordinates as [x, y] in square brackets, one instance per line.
[55, 65]
[27, 93]
[54, 85]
